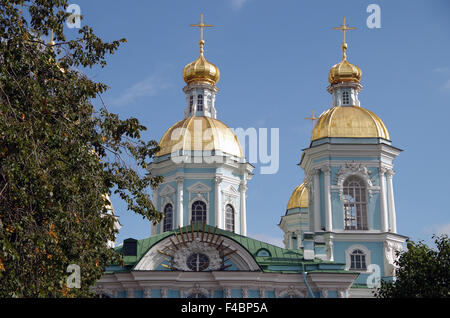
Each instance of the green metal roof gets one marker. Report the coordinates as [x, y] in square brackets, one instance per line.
[281, 260]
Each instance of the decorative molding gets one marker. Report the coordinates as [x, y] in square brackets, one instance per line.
[326, 170]
[181, 255]
[354, 169]
[390, 254]
[167, 191]
[290, 292]
[342, 293]
[195, 290]
[349, 251]
[390, 173]
[199, 187]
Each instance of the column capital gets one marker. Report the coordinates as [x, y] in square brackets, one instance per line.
[326, 170]
[218, 180]
[382, 170]
[179, 179]
[390, 173]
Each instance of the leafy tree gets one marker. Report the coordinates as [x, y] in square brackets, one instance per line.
[422, 272]
[60, 158]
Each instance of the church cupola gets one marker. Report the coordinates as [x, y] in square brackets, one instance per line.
[344, 78]
[201, 78]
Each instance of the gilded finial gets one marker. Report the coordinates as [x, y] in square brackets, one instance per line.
[344, 28]
[201, 26]
[312, 118]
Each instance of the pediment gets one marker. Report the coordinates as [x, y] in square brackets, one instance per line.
[166, 191]
[199, 188]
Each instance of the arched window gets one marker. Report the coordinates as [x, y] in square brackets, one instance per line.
[358, 260]
[229, 218]
[198, 212]
[168, 217]
[191, 102]
[355, 204]
[200, 102]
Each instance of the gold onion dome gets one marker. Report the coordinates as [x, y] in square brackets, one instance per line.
[213, 135]
[344, 72]
[201, 71]
[349, 122]
[299, 197]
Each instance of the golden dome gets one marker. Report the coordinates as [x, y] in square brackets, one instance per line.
[299, 198]
[213, 135]
[349, 122]
[344, 72]
[201, 71]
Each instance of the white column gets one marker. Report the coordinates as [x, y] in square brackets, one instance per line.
[316, 189]
[383, 203]
[328, 216]
[180, 181]
[155, 203]
[243, 188]
[390, 191]
[218, 204]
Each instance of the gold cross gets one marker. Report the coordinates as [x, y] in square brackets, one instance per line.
[344, 28]
[201, 26]
[312, 118]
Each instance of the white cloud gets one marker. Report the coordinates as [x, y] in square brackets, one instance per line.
[437, 229]
[237, 4]
[149, 86]
[277, 241]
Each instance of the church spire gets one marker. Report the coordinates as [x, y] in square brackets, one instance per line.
[201, 78]
[344, 77]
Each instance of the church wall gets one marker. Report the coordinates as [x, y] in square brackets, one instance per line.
[376, 256]
[374, 215]
[337, 207]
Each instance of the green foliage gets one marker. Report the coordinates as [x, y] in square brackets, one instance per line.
[60, 159]
[422, 272]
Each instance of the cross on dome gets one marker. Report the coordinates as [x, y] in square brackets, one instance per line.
[344, 28]
[201, 26]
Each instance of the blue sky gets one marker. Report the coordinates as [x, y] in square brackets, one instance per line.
[274, 58]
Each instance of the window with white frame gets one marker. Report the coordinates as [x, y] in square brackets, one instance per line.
[198, 212]
[200, 102]
[168, 217]
[358, 260]
[355, 204]
[191, 102]
[345, 97]
[229, 218]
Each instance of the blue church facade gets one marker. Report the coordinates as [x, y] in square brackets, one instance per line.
[340, 232]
